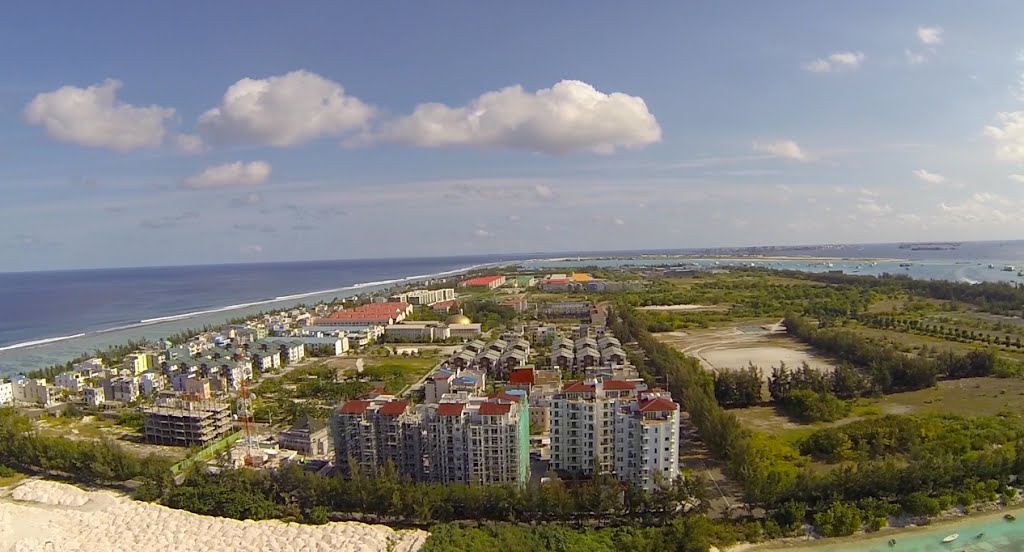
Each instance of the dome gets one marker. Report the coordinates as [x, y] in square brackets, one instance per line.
[458, 319]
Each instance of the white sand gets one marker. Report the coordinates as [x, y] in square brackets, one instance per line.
[44, 515]
[763, 356]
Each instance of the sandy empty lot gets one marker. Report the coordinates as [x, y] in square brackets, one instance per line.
[735, 347]
[43, 515]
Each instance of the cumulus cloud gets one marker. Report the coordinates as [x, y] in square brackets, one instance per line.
[283, 111]
[543, 192]
[787, 149]
[251, 249]
[481, 233]
[230, 174]
[929, 177]
[868, 204]
[930, 36]
[190, 144]
[618, 222]
[836, 62]
[570, 116]
[1017, 178]
[94, 117]
[1008, 135]
[981, 207]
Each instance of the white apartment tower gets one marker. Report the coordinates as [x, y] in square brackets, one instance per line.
[612, 426]
[647, 440]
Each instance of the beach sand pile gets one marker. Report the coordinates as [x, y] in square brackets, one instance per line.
[42, 515]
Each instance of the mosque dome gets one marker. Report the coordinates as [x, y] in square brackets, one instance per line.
[458, 319]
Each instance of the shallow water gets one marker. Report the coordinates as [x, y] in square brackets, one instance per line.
[999, 535]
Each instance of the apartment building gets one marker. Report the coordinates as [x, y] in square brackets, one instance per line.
[308, 436]
[464, 439]
[6, 393]
[186, 423]
[424, 296]
[583, 425]
[370, 433]
[647, 440]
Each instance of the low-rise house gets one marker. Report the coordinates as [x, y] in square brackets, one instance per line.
[465, 331]
[94, 396]
[72, 381]
[266, 360]
[308, 436]
[424, 332]
[437, 384]
[324, 346]
[150, 383]
[123, 389]
[489, 282]
[92, 368]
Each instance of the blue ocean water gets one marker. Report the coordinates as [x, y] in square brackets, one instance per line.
[51, 317]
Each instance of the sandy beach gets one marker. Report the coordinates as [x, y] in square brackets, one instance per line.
[42, 515]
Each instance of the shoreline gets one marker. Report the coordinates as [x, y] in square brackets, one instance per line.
[882, 536]
[41, 342]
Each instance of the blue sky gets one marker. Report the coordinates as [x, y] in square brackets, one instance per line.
[209, 132]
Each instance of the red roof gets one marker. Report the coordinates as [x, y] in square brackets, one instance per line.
[506, 396]
[354, 407]
[481, 281]
[444, 305]
[618, 385]
[494, 409]
[393, 408]
[659, 404]
[450, 409]
[578, 387]
[522, 376]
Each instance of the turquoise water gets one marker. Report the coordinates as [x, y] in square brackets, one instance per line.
[999, 536]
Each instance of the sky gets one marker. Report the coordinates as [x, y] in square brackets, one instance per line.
[140, 134]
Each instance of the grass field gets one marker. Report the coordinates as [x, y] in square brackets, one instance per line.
[964, 397]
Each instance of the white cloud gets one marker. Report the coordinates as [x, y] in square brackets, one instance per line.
[870, 207]
[190, 144]
[230, 174]
[982, 207]
[481, 233]
[251, 249]
[568, 117]
[787, 149]
[929, 177]
[94, 117]
[1008, 135]
[836, 62]
[513, 218]
[930, 36]
[543, 192]
[283, 111]
[1017, 178]
[915, 58]
[618, 222]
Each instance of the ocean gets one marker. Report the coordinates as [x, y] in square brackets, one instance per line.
[51, 317]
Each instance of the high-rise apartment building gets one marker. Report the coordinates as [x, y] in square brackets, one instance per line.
[463, 439]
[615, 426]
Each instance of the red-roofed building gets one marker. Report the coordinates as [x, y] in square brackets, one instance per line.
[648, 429]
[518, 303]
[354, 407]
[495, 409]
[450, 409]
[659, 404]
[521, 376]
[489, 282]
[393, 408]
[444, 307]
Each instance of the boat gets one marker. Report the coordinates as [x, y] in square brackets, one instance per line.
[1009, 268]
[1010, 517]
[951, 538]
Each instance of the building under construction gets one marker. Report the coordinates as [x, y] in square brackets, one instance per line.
[186, 423]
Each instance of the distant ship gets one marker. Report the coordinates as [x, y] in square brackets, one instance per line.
[1008, 268]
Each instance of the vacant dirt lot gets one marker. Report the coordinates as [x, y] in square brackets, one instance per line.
[735, 347]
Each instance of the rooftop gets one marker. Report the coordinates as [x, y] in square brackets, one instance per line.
[522, 376]
[495, 409]
[618, 385]
[354, 407]
[578, 387]
[393, 408]
[450, 409]
[658, 404]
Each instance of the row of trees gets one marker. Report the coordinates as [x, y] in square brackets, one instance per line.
[889, 369]
[952, 333]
